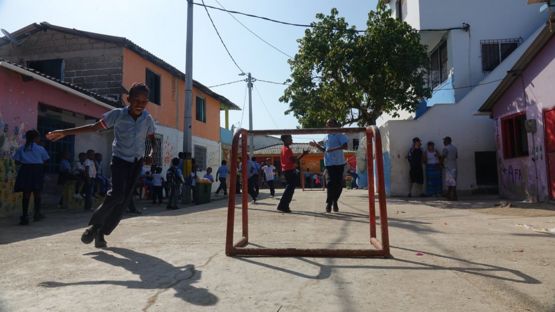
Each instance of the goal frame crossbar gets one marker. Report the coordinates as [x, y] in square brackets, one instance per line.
[373, 143]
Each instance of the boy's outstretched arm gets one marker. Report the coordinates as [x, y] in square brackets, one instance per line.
[60, 134]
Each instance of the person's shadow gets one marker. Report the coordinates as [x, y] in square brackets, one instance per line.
[154, 273]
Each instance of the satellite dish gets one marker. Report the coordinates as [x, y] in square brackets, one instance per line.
[9, 37]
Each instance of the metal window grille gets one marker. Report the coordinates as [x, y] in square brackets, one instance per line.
[200, 157]
[495, 51]
[157, 157]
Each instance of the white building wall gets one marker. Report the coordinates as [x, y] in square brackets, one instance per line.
[470, 133]
[172, 144]
[488, 20]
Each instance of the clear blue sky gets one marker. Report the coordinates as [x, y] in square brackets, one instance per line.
[160, 28]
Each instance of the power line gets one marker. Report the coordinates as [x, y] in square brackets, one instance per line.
[219, 36]
[255, 34]
[252, 15]
[469, 86]
[226, 83]
[273, 82]
[265, 107]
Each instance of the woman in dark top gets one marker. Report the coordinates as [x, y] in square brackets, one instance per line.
[31, 157]
[415, 162]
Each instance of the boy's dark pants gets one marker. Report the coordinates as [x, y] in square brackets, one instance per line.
[89, 190]
[291, 179]
[251, 186]
[272, 187]
[156, 194]
[223, 186]
[124, 177]
[335, 183]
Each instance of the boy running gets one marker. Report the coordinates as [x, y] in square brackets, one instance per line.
[132, 125]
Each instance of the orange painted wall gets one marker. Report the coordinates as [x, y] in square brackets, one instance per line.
[172, 98]
[211, 129]
[134, 70]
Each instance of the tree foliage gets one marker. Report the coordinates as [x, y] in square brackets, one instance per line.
[353, 76]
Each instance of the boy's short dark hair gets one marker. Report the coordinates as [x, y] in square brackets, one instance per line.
[416, 139]
[285, 137]
[224, 162]
[138, 88]
[175, 161]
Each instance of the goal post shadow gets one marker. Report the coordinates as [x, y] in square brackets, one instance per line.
[381, 247]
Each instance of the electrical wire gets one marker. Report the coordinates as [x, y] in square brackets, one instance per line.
[255, 34]
[273, 82]
[251, 15]
[221, 40]
[265, 107]
[469, 86]
[226, 83]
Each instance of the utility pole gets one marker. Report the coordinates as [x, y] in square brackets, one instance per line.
[251, 137]
[187, 131]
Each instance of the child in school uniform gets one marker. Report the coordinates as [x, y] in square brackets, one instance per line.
[31, 157]
[132, 126]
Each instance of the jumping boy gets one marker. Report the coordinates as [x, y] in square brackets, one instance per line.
[289, 169]
[132, 125]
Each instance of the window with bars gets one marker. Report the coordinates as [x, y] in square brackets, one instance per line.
[201, 109]
[438, 72]
[495, 51]
[200, 157]
[515, 138]
[157, 157]
[153, 82]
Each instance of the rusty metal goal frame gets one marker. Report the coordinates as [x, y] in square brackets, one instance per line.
[373, 142]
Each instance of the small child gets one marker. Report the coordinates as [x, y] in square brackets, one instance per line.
[208, 175]
[79, 172]
[174, 179]
[157, 185]
[90, 176]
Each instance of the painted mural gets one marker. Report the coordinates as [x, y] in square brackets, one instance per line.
[11, 137]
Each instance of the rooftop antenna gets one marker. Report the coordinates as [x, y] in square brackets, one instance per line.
[9, 37]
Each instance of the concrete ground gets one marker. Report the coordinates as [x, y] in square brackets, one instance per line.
[463, 256]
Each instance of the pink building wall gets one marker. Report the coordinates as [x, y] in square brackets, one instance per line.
[532, 93]
[19, 101]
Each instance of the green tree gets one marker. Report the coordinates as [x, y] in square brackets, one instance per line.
[355, 76]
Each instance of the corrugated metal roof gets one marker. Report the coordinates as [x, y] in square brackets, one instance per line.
[121, 41]
[296, 147]
[94, 95]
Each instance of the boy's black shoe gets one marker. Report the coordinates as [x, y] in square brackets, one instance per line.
[335, 207]
[285, 210]
[328, 208]
[24, 220]
[99, 241]
[88, 236]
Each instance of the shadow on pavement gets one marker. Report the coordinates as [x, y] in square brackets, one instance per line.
[154, 273]
[470, 267]
[60, 221]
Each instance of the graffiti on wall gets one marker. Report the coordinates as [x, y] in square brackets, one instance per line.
[10, 139]
[169, 152]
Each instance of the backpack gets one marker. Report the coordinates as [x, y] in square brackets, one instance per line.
[171, 176]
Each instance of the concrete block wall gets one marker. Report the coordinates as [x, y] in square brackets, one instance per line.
[89, 63]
